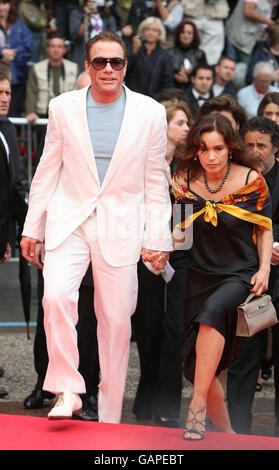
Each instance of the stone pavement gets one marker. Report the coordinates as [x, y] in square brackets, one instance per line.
[16, 356]
[19, 380]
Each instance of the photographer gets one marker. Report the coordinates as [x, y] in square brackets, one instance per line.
[150, 67]
[94, 18]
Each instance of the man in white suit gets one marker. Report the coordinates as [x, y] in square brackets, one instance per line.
[99, 190]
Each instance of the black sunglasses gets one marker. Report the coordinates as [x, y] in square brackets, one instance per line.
[100, 63]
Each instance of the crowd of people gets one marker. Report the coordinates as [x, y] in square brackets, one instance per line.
[166, 41]
[213, 68]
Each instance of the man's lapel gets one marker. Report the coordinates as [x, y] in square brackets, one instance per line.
[82, 130]
[126, 131]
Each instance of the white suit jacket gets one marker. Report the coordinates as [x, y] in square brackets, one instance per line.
[134, 195]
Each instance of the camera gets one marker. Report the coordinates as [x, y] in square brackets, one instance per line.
[142, 38]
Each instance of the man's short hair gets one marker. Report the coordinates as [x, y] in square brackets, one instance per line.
[263, 67]
[225, 57]
[201, 66]
[3, 77]
[5, 72]
[54, 35]
[264, 126]
[107, 36]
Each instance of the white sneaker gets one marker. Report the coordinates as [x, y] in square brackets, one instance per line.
[67, 404]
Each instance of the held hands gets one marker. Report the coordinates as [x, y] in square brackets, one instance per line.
[39, 255]
[260, 282]
[158, 259]
[33, 251]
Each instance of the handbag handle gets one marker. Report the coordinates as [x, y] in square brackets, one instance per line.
[250, 297]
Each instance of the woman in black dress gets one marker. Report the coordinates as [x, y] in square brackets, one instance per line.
[158, 319]
[232, 245]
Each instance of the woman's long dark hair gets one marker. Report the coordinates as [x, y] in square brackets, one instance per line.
[211, 123]
[272, 97]
[196, 39]
[12, 16]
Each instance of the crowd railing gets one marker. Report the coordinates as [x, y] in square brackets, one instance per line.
[27, 136]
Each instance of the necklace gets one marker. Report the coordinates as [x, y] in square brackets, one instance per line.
[222, 182]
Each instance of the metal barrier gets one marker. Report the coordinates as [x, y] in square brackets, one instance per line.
[27, 134]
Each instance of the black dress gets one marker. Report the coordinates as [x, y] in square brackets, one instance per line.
[224, 258]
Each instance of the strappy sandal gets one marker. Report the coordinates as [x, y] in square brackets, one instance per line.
[191, 428]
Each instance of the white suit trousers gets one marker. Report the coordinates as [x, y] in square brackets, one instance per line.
[115, 297]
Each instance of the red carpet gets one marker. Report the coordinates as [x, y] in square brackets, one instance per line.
[29, 433]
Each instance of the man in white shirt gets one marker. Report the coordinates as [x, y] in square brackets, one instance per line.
[200, 89]
[250, 96]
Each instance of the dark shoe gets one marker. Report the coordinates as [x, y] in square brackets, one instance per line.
[2, 372]
[89, 409]
[166, 422]
[36, 399]
[3, 393]
[143, 416]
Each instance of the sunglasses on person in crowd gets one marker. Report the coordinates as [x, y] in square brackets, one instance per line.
[100, 63]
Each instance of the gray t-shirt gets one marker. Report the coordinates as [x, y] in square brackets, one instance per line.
[104, 122]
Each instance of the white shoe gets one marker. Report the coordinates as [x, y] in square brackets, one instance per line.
[67, 404]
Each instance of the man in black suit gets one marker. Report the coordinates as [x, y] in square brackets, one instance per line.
[261, 135]
[12, 204]
[13, 207]
[200, 89]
